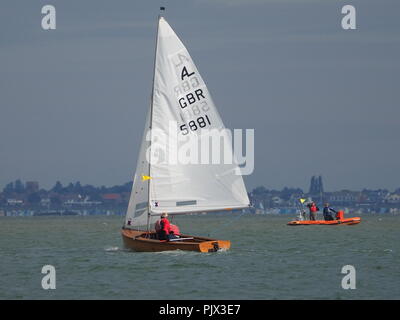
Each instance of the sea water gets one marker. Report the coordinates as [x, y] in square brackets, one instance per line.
[267, 260]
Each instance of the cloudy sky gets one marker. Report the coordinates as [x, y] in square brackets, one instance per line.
[322, 100]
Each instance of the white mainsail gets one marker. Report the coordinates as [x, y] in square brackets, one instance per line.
[181, 98]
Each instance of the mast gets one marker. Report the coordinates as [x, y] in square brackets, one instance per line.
[151, 117]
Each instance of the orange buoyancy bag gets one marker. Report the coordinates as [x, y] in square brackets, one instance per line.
[340, 215]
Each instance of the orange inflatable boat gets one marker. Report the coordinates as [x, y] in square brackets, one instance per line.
[339, 220]
[348, 221]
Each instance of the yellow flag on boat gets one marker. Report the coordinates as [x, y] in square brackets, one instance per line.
[302, 200]
[144, 178]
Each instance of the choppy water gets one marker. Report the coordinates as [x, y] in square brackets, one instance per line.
[268, 260]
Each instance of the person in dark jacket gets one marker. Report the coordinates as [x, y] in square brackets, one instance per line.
[328, 212]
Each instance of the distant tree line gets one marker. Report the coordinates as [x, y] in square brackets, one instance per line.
[31, 194]
[18, 187]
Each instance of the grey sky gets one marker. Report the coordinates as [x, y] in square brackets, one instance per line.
[322, 100]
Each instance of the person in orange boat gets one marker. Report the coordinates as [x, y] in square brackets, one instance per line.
[328, 212]
[313, 210]
[164, 229]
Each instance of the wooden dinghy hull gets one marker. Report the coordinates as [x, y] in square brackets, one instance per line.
[348, 221]
[143, 241]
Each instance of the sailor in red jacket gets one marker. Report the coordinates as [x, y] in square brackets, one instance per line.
[313, 210]
[163, 228]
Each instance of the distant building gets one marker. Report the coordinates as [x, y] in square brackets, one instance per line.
[32, 186]
[316, 186]
[81, 202]
[111, 197]
[276, 201]
[374, 196]
[393, 198]
[45, 201]
[343, 197]
[14, 202]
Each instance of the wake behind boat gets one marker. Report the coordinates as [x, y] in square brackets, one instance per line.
[181, 98]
